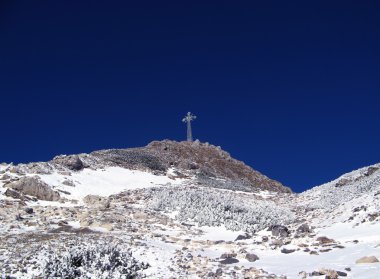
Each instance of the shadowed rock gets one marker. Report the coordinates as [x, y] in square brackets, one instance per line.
[287, 251]
[229, 261]
[251, 257]
[279, 230]
[72, 162]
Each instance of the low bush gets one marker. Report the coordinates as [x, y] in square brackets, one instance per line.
[93, 261]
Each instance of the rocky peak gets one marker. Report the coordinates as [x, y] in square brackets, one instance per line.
[200, 159]
[206, 164]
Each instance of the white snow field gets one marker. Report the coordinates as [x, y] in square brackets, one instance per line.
[346, 210]
[337, 259]
[105, 182]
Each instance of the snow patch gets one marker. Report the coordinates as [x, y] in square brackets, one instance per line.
[105, 182]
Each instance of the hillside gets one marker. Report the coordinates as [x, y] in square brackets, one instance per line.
[108, 172]
[202, 160]
[182, 210]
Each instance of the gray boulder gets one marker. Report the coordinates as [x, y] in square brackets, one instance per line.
[251, 257]
[29, 210]
[279, 230]
[229, 261]
[287, 251]
[72, 162]
[304, 228]
[34, 186]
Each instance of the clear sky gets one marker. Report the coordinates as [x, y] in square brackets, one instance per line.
[289, 87]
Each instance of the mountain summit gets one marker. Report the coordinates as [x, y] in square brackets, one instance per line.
[113, 170]
[202, 160]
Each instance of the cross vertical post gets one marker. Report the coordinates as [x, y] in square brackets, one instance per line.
[188, 118]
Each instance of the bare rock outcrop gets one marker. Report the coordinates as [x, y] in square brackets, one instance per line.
[34, 186]
[200, 159]
[208, 164]
[72, 162]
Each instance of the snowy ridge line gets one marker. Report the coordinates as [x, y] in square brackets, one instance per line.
[364, 181]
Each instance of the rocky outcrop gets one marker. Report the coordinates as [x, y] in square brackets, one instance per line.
[202, 159]
[34, 186]
[209, 165]
[72, 162]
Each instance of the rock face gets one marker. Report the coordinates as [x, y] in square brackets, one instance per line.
[202, 159]
[33, 186]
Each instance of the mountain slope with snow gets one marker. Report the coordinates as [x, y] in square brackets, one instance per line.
[184, 210]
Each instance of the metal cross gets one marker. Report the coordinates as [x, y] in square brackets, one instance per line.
[188, 118]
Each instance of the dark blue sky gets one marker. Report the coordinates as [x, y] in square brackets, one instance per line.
[292, 89]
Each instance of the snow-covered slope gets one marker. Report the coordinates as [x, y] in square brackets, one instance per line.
[102, 182]
[105, 182]
[183, 223]
[347, 187]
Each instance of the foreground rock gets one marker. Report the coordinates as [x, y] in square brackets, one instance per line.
[279, 230]
[34, 186]
[251, 257]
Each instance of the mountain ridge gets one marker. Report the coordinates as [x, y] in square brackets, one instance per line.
[204, 161]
